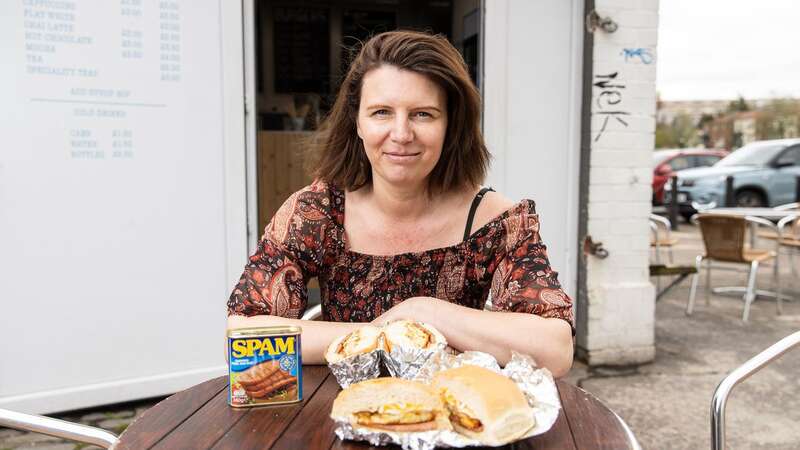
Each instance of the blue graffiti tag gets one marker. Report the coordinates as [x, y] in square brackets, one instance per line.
[644, 55]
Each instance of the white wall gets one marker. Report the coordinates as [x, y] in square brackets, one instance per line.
[121, 235]
[532, 96]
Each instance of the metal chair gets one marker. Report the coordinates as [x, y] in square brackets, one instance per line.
[724, 237]
[787, 207]
[741, 373]
[788, 237]
[313, 313]
[660, 239]
[58, 428]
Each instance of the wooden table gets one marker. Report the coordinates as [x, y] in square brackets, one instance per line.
[200, 418]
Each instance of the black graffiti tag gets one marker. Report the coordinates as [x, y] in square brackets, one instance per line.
[610, 96]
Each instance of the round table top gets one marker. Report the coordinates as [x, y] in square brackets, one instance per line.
[766, 213]
[200, 418]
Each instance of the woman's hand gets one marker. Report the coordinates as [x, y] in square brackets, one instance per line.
[549, 341]
[413, 308]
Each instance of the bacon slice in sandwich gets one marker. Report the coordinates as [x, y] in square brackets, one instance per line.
[484, 405]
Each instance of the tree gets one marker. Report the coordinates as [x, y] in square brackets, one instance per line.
[704, 128]
[664, 136]
[780, 118]
[704, 119]
[681, 133]
[738, 105]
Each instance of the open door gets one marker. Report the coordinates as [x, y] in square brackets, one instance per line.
[122, 191]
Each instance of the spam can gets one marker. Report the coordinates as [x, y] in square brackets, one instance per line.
[264, 366]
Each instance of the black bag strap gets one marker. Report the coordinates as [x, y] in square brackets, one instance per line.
[475, 202]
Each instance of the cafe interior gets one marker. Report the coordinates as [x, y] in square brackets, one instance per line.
[302, 52]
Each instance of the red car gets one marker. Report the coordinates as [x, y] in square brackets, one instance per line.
[667, 162]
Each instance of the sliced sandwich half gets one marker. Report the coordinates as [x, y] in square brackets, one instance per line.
[391, 404]
[408, 333]
[484, 405]
[360, 341]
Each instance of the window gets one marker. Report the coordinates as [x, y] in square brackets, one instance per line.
[679, 163]
[706, 160]
[791, 156]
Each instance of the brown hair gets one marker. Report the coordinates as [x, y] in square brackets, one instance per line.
[341, 159]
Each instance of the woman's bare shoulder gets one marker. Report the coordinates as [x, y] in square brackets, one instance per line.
[492, 205]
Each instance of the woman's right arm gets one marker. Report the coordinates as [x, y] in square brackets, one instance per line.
[272, 289]
[316, 335]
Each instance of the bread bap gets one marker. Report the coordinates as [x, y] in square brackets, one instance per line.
[360, 341]
[484, 405]
[391, 404]
[412, 334]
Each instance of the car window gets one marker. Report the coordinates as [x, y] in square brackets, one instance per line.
[706, 160]
[679, 163]
[791, 156]
[755, 154]
[659, 156]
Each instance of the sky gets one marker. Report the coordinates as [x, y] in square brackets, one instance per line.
[720, 49]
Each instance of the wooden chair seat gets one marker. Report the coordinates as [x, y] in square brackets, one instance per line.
[664, 242]
[767, 234]
[790, 242]
[751, 255]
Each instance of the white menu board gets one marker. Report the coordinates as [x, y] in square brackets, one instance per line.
[114, 217]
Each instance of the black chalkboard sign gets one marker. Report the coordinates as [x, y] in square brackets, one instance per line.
[302, 50]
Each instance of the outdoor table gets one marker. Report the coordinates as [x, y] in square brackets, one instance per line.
[764, 213]
[200, 418]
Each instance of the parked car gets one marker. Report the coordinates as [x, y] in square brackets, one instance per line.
[667, 162]
[765, 173]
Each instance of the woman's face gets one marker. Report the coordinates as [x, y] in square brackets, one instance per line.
[402, 120]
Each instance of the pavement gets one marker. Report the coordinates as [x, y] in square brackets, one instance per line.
[666, 403]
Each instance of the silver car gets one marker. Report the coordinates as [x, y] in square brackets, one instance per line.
[765, 173]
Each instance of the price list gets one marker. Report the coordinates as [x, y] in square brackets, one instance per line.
[132, 35]
[170, 40]
[106, 66]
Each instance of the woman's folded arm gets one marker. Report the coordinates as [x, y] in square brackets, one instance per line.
[315, 337]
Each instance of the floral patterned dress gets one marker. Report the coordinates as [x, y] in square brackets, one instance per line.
[306, 238]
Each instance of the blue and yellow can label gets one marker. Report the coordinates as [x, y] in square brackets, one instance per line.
[264, 366]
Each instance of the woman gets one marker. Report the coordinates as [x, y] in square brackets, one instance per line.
[396, 225]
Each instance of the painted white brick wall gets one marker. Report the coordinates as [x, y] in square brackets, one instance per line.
[621, 299]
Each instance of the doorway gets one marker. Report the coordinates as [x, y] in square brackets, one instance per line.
[302, 51]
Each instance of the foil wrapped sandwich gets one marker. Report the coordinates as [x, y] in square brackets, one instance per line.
[434, 398]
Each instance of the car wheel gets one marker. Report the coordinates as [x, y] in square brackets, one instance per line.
[749, 198]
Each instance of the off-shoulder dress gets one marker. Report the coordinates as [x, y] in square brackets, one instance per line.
[504, 260]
